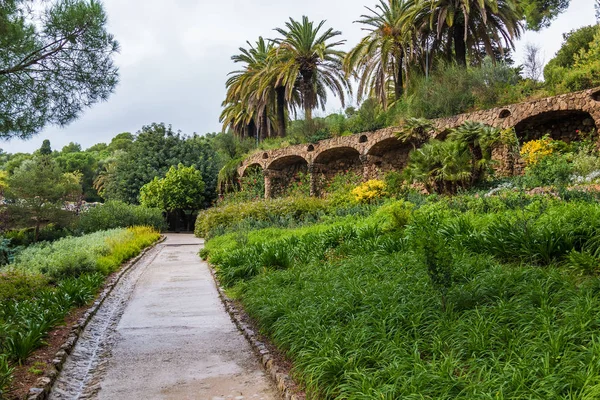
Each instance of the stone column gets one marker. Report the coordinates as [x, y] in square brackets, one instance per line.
[314, 170]
[368, 163]
[270, 176]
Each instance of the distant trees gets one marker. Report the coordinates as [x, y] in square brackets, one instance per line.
[379, 58]
[155, 149]
[54, 65]
[181, 192]
[403, 37]
[533, 63]
[310, 60]
[576, 64]
[37, 192]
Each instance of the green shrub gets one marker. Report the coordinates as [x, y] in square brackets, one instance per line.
[395, 215]
[26, 236]
[225, 217]
[18, 285]
[117, 214]
[74, 256]
[552, 170]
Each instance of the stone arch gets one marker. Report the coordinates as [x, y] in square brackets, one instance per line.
[559, 124]
[386, 155]
[337, 160]
[284, 171]
[505, 113]
[250, 168]
[595, 95]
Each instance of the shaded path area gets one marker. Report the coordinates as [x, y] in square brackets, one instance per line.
[164, 334]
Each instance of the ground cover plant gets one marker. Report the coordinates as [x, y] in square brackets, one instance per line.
[46, 281]
[463, 297]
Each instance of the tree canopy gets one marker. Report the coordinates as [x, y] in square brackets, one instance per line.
[54, 65]
[155, 149]
[182, 188]
[37, 191]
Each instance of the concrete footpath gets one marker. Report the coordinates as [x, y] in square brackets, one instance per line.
[174, 339]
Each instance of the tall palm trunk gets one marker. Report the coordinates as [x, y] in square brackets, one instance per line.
[399, 81]
[307, 93]
[460, 47]
[476, 155]
[264, 128]
[281, 122]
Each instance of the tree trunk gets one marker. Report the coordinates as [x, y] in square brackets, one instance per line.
[37, 231]
[476, 155]
[281, 122]
[307, 94]
[460, 47]
[399, 82]
[252, 129]
[263, 126]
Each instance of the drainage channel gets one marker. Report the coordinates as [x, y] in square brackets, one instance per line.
[82, 372]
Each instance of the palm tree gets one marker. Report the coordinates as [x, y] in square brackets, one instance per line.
[442, 166]
[247, 103]
[308, 62]
[469, 23]
[479, 139]
[379, 58]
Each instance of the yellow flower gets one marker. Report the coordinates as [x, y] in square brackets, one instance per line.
[535, 150]
[369, 191]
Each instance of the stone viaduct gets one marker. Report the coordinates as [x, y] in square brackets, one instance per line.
[370, 153]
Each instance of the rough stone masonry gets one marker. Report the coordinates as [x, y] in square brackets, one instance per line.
[373, 153]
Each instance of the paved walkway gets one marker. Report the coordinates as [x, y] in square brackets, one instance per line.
[174, 339]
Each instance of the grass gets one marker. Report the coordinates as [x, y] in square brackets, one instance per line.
[508, 307]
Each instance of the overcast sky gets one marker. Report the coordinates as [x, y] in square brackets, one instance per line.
[175, 56]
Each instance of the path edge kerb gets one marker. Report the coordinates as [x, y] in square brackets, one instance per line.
[44, 384]
[282, 380]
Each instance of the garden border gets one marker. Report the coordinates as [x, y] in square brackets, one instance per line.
[44, 384]
[282, 380]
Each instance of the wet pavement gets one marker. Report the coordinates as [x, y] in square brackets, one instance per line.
[164, 334]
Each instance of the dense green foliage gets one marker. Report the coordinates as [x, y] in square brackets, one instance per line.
[451, 298]
[116, 214]
[37, 191]
[576, 64]
[182, 188]
[74, 256]
[53, 63]
[156, 148]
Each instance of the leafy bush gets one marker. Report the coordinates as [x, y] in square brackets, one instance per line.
[74, 256]
[26, 236]
[229, 215]
[117, 214]
[536, 150]
[18, 285]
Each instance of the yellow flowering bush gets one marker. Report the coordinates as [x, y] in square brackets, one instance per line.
[369, 191]
[534, 150]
